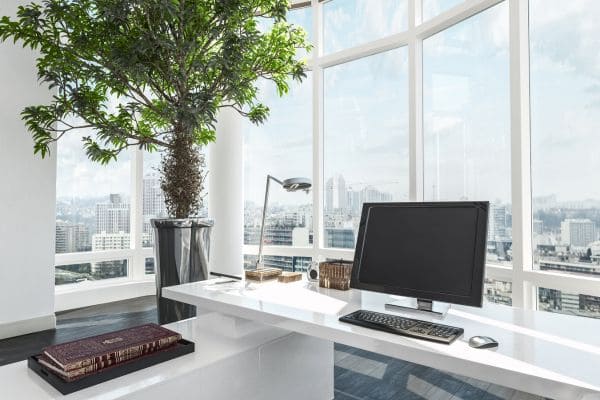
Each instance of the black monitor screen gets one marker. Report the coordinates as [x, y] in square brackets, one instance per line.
[434, 251]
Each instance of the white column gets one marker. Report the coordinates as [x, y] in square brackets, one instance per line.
[226, 194]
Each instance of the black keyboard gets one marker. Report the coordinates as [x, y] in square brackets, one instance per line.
[404, 326]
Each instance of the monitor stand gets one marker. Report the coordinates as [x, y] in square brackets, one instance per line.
[418, 305]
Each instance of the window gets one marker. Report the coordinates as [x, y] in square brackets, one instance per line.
[286, 263]
[498, 291]
[282, 147]
[92, 212]
[92, 207]
[76, 273]
[565, 121]
[347, 23]
[432, 8]
[355, 106]
[149, 267]
[365, 140]
[467, 120]
[562, 302]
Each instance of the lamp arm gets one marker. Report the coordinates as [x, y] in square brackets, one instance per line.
[264, 216]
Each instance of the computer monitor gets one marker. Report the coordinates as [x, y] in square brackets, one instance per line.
[431, 251]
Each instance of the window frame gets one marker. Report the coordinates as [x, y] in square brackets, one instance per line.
[525, 279]
[136, 255]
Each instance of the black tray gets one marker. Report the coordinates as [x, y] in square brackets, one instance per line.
[181, 348]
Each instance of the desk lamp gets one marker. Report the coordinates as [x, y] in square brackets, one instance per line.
[291, 185]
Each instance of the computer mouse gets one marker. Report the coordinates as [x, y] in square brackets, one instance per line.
[482, 342]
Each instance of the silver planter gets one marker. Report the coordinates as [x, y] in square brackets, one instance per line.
[181, 249]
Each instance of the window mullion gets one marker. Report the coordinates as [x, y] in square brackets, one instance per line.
[520, 151]
[415, 104]
[317, 130]
[136, 268]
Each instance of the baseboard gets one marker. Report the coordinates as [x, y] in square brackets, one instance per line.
[85, 296]
[18, 328]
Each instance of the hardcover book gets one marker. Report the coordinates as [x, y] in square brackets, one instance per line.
[100, 351]
[76, 374]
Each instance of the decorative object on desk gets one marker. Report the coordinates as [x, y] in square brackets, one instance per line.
[263, 274]
[131, 92]
[287, 277]
[291, 185]
[80, 357]
[335, 274]
[178, 349]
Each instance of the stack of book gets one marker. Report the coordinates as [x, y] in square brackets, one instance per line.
[74, 360]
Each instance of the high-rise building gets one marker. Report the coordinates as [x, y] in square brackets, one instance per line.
[71, 237]
[577, 232]
[356, 198]
[110, 241]
[538, 226]
[153, 201]
[112, 217]
[335, 193]
[497, 222]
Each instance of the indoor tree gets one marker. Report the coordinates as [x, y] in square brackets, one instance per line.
[154, 74]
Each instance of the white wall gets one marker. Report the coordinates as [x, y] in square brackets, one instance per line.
[27, 200]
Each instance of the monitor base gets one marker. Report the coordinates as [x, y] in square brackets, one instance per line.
[419, 305]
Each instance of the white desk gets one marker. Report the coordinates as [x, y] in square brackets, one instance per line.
[551, 355]
[234, 359]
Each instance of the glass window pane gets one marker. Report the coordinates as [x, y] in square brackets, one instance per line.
[565, 121]
[281, 147]
[304, 18]
[467, 120]
[561, 302]
[348, 23]
[499, 292]
[286, 263]
[149, 266]
[94, 271]
[365, 140]
[92, 205]
[432, 8]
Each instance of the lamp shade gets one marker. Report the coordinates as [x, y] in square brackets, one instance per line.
[295, 184]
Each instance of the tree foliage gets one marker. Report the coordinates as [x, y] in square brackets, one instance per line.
[153, 74]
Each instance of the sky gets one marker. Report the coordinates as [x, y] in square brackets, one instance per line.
[466, 109]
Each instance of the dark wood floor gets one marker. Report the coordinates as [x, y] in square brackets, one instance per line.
[359, 375]
[80, 323]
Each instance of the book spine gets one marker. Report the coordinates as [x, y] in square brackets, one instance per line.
[122, 355]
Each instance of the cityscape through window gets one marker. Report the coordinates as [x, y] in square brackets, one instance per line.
[348, 123]
[92, 211]
[565, 121]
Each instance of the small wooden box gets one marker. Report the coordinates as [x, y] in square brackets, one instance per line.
[287, 277]
[335, 274]
[262, 274]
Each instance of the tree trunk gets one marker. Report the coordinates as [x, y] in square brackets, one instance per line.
[182, 179]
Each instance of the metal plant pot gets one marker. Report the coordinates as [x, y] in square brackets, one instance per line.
[181, 248]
